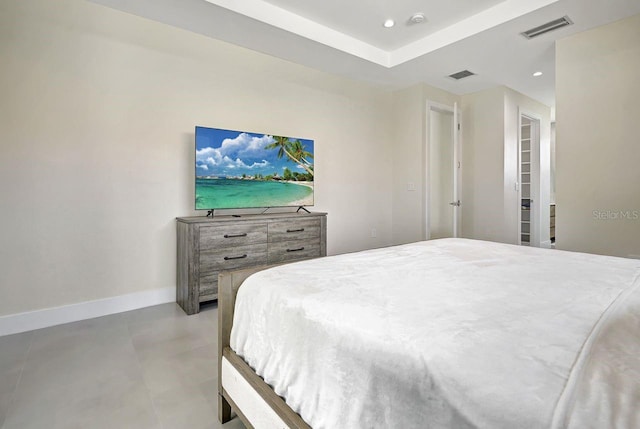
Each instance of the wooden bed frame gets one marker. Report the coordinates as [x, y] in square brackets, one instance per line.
[239, 387]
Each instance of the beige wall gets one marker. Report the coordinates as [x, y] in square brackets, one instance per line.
[97, 120]
[598, 150]
[490, 164]
[516, 104]
[489, 144]
[97, 117]
[409, 159]
[408, 165]
[482, 165]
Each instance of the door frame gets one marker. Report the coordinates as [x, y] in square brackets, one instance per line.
[457, 165]
[536, 207]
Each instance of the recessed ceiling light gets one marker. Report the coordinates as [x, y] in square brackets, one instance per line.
[538, 73]
[389, 23]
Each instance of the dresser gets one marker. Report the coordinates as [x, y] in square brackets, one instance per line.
[552, 223]
[208, 246]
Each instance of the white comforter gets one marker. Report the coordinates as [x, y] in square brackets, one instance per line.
[448, 333]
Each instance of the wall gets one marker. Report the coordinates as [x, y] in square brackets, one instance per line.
[409, 159]
[516, 104]
[490, 164]
[483, 165]
[489, 142]
[597, 111]
[408, 164]
[97, 117]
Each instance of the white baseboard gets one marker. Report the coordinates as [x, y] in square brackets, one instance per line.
[30, 320]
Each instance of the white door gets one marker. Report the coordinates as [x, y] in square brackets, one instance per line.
[443, 202]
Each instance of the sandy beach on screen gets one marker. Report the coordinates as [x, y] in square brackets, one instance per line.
[308, 201]
[307, 184]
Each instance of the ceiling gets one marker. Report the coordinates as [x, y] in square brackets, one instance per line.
[348, 38]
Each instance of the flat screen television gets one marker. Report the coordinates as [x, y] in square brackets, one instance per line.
[239, 169]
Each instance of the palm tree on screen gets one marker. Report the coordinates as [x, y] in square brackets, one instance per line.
[295, 151]
[300, 154]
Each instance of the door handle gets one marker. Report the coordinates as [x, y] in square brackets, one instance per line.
[455, 203]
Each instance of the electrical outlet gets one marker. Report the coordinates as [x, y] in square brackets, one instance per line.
[374, 233]
[411, 186]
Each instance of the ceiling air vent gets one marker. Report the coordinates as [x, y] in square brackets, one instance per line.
[461, 74]
[549, 26]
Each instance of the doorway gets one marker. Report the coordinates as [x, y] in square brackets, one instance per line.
[529, 181]
[443, 172]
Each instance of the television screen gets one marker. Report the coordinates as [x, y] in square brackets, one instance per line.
[237, 169]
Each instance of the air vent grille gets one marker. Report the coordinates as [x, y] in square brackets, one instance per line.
[461, 74]
[549, 26]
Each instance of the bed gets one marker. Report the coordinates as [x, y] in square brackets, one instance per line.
[450, 333]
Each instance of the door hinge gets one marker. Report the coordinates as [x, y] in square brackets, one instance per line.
[458, 164]
[458, 127]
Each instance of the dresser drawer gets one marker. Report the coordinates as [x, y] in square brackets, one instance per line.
[295, 229]
[232, 258]
[216, 237]
[293, 250]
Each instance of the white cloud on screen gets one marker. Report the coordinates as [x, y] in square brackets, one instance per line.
[238, 163]
[264, 163]
[230, 152]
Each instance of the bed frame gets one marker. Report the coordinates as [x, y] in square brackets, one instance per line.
[239, 387]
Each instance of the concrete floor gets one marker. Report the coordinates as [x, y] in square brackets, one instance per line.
[149, 368]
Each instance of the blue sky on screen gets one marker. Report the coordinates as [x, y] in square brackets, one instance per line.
[233, 153]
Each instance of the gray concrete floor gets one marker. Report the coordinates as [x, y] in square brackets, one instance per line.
[149, 368]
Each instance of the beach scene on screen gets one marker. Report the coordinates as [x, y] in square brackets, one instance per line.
[236, 169]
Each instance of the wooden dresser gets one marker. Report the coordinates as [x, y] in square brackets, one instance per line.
[207, 246]
[552, 223]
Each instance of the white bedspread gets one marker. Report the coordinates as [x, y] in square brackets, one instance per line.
[449, 333]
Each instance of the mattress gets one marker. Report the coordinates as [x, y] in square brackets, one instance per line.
[449, 333]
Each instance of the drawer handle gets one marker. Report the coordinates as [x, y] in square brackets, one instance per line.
[229, 258]
[235, 235]
[295, 230]
[295, 250]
